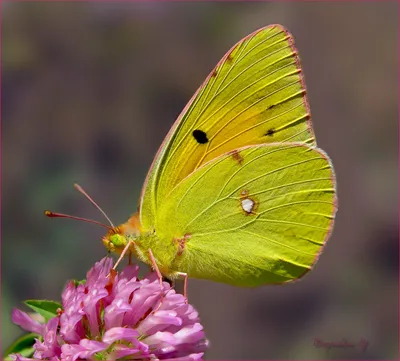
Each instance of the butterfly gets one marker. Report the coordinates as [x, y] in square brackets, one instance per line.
[238, 192]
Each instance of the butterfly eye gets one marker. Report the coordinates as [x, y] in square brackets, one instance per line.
[118, 240]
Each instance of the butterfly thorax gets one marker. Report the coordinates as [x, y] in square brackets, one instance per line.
[141, 240]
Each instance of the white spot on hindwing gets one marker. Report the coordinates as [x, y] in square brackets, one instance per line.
[247, 205]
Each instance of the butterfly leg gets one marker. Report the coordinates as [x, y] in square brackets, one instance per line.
[129, 244]
[155, 267]
[160, 279]
[185, 284]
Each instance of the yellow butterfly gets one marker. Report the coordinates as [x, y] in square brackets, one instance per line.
[238, 192]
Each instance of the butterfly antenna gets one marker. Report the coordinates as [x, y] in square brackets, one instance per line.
[61, 215]
[81, 190]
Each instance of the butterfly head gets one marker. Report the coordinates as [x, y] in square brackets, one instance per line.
[118, 237]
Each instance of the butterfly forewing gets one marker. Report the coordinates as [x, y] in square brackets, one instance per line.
[255, 95]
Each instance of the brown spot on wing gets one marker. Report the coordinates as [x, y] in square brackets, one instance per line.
[230, 56]
[237, 156]
[181, 243]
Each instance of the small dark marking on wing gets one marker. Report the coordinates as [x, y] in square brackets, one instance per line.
[229, 57]
[237, 156]
[270, 132]
[181, 243]
[200, 136]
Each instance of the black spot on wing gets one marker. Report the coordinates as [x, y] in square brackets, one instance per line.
[270, 132]
[200, 136]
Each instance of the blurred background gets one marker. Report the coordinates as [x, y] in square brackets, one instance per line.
[89, 90]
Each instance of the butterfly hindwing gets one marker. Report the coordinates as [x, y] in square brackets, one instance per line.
[257, 215]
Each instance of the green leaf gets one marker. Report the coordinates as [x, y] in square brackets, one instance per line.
[77, 283]
[46, 308]
[23, 346]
